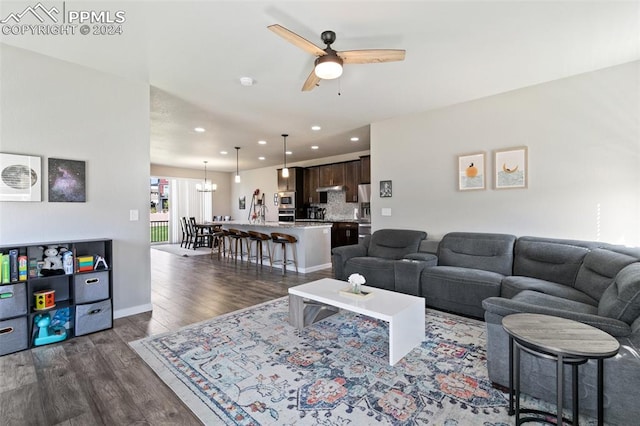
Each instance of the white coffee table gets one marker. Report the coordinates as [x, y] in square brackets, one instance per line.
[405, 314]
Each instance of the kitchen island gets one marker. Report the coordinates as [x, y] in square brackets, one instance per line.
[314, 240]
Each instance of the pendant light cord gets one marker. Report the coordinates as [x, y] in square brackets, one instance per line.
[285, 150]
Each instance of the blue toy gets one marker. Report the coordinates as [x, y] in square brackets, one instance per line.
[48, 333]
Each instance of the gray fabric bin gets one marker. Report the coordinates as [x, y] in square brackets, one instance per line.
[14, 335]
[93, 317]
[13, 300]
[91, 287]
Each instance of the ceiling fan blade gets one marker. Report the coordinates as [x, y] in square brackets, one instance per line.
[312, 81]
[371, 56]
[295, 39]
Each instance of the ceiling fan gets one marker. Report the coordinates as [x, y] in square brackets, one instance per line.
[328, 64]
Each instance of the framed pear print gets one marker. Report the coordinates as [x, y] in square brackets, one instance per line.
[471, 171]
[511, 168]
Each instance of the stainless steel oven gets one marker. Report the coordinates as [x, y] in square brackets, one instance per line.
[286, 215]
[287, 200]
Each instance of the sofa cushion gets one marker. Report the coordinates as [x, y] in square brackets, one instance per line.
[539, 303]
[549, 259]
[459, 289]
[395, 243]
[489, 252]
[599, 268]
[378, 272]
[621, 300]
[555, 302]
[511, 286]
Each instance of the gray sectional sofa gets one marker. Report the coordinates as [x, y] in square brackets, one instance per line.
[493, 275]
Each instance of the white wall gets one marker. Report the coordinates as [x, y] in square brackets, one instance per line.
[54, 109]
[583, 137]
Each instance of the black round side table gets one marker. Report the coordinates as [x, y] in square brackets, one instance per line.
[560, 339]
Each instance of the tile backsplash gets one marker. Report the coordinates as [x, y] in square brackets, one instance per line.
[337, 208]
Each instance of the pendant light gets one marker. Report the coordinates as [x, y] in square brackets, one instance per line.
[237, 167]
[206, 186]
[285, 171]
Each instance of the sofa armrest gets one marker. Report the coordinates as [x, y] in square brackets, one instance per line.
[340, 256]
[407, 274]
[502, 307]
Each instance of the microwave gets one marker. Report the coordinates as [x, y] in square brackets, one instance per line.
[287, 200]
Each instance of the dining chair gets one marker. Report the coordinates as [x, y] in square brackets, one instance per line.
[199, 238]
[186, 237]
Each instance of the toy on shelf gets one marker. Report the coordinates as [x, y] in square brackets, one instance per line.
[52, 262]
[100, 263]
[44, 299]
[85, 263]
[48, 333]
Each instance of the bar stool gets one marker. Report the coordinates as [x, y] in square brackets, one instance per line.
[260, 239]
[218, 242]
[240, 238]
[227, 246]
[285, 240]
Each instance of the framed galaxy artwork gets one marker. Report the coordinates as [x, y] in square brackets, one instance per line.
[67, 181]
[20, 178]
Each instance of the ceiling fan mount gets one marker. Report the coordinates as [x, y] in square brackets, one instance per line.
[328, 37]
[329, 62]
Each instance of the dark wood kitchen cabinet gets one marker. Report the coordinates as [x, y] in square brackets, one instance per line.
[311, 180]
[332, 174]
[352, 179]
[294, 182]
[365, 169]
[344, 234]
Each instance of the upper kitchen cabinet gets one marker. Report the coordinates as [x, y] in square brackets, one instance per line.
[294, 182]
[311, 180]
[332, 174]
[352, 179]
[365, 169]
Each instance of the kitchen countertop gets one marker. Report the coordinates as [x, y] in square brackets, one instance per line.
[358, 221]
[314, 224]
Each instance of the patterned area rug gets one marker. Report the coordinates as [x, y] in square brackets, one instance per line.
[250, 367]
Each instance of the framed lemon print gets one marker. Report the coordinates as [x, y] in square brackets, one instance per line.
[511, 168]
[471, 171]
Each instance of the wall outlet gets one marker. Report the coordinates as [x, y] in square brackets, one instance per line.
[386, 211]
[133, 215]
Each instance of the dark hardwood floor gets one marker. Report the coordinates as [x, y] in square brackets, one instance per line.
[98, 380]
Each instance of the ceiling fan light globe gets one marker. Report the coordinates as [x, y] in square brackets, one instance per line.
[328, 67]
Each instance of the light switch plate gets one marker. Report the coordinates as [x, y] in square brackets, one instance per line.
[133, 215]
[386, 211]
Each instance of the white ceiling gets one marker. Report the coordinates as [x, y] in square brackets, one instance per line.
[194, 52]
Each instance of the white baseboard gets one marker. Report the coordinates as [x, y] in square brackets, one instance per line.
[120, 313]
[311, 268]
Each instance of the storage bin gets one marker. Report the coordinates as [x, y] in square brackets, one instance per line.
[91, 287]
[13, 300]
[93, 317]
[14, 335]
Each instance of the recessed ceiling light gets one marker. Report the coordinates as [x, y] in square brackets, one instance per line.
[246, 81]
[260, 158]
[223, 152]
[355, 139]
[314, 147]
[288, 152]
[316, 128]
[199, 129]
[262, 142]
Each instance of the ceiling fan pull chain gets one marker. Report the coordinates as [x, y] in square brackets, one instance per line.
[339, 86]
